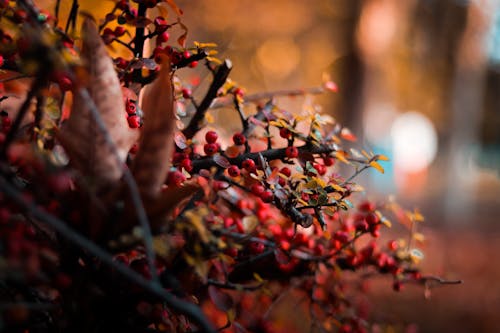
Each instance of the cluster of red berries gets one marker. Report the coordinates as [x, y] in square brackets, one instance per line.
[134, 114]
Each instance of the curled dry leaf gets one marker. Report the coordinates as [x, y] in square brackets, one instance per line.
[157, 142]
[80, 136]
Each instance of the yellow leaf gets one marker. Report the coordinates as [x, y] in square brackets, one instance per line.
[419, 237]
[386, 222]
[337, 187]
[382, 158]
[342, 156]
[377, 166]
[365, 154]
[417, 217]
[204, 45]
[257, 277]
[214, 59]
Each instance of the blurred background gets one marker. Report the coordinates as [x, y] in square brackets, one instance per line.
[419, 80]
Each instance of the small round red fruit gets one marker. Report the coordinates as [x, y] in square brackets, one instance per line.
[211, 137]
[134, 121]
[286, 171]
[210, 148]
[372, 219]
[239, 139]
[233, 171]
[248, 165]
[285, 133]
[267, 196]
[257, 189]
[186, 93]
[291, 152]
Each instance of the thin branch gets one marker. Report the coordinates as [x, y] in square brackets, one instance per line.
[72, 16]
[220, 78]
[191, 310]
[234, 286]
[227, 101]
[35, 88]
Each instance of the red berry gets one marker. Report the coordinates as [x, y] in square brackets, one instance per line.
[130, 107]
[372, 219]
[210, 148]
[267, 196]
[162, 38]
[233, 171]
[119, 31]
[239, 92]
[121, 63]
[291, 152]
[392, 245]
[134, 121]
[175, 178]
[122, 4]
[187, 164]
[257, 189]
[211, 137]
[239, 139]
[320, 168]
[186, 93]
[256, 247]
[328, 161]
[367, 206]
[286, 171]
[193, 64]
[248, 165]
[160, 22]
[1, 61]
[285, 133]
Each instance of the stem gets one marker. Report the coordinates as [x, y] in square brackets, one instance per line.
[139, 33]
[191, 310]
[224, 101]
[220, 78]
[35, 88]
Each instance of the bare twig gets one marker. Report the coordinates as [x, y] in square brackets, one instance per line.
[227, 101]
[35, 88]
[220, 78]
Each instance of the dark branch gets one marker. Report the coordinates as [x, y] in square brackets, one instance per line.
[220, 78]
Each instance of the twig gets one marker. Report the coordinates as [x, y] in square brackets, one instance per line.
[220, 78]
[139, 32]
[191, 310]
[234, 286]
[35, 88]
[72, 16]
[226, 101]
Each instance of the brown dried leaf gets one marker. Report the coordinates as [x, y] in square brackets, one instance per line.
[80, 135]
[157, 142]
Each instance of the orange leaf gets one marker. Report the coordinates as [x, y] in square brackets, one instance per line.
[377, 166]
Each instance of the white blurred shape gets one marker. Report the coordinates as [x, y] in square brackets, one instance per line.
[414, 142]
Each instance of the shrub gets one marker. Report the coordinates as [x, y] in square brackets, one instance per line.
[128, 216]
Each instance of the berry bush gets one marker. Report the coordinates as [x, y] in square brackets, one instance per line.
[120, 211]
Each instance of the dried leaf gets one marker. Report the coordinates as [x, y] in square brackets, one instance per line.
[174, 6]
[182, 38]
[156, 146]
[221, 161]
[80, 136]
[221, 300]
[377, 166]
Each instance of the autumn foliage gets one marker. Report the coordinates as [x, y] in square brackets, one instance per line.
[120, 211]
